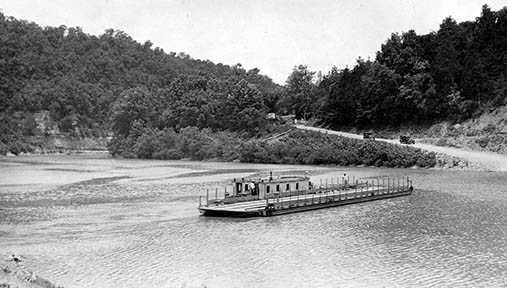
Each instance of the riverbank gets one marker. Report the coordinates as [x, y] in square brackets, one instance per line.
[13, 274]
[447, 157]
[291, 149]
[54, 144]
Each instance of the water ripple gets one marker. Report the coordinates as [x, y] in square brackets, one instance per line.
[114, 232]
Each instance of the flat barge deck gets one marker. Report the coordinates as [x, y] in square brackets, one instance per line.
[304, 200]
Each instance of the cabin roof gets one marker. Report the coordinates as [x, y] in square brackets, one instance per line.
[275, 179]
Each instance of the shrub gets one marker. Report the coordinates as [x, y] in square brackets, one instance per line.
[168, 154]
[302, 147]
[146, 145]
[67, 124]
[489, 129]
[119, 146]
[441, 142]
[295, 147]
[15, 148]
[4, 149]
[482, 142]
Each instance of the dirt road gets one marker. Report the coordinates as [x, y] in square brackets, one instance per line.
[490, 161]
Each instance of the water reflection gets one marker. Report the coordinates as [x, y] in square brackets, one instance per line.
[135, 224]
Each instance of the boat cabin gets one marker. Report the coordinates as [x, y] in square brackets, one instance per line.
[269, 187]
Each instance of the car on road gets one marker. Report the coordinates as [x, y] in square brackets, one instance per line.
[368, 135]
[405, 139]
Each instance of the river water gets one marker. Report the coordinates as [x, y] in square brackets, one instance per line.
[93, 221]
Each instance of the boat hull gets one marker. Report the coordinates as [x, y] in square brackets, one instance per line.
[228, 213]
[272, 207]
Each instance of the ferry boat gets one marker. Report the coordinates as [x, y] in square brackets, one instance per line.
[271, 196]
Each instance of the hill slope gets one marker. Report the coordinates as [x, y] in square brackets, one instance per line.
[77, 78]
[488, 132]
[467, 160]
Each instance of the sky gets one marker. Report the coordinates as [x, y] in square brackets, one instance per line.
[273, 36]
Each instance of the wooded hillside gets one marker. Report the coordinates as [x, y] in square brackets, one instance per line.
[452, 74]
[84, 81]
[112, 85]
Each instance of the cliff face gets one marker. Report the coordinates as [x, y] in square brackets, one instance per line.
[68, 144]
[39, 133]
[45, 124]
[55, 140]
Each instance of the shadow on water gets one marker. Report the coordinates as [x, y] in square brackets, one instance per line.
[225, 220]
[97, 181]
[213, 172]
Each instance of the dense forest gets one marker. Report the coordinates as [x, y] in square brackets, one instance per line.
[452, 74]
[92, 85]
[169, 106]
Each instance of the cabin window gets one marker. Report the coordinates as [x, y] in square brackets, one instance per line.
[288, 187]
[246, 187]
[277, 188]
[267, 189]
[297, 186]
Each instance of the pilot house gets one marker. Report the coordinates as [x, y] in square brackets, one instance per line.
[270, 187]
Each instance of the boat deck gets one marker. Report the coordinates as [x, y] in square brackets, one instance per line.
[317, 199]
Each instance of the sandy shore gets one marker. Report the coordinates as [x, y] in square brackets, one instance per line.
[14, 274]
[475, 160]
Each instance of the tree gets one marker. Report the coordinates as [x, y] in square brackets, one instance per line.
[245, 109]
[379, 101]
[133, 105]
[341, 93]
[300, 93]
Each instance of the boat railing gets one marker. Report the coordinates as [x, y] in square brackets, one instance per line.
[362, 187]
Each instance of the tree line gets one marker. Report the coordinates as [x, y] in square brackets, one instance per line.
[156, 104]
[92, 85]
[451, 74]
